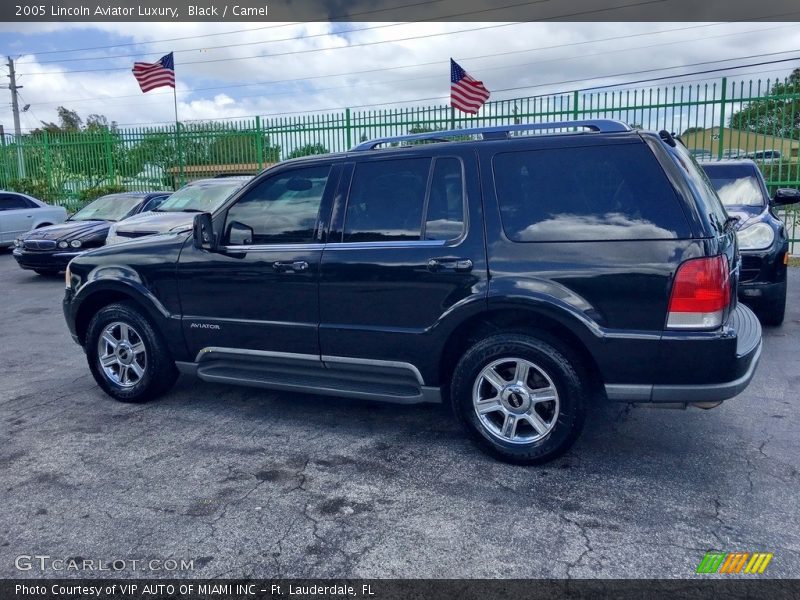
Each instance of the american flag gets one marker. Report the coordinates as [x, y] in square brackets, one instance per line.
[153, 75]
[466, 94]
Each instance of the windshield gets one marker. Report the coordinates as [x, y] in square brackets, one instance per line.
[738, 191]
[108, 208]
[736, 185]
[199, 197]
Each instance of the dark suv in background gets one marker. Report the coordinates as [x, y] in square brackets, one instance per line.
[516, 275]
[763, 241]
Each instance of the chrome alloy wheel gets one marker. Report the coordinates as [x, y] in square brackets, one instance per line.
[121, 354]
[515, 400]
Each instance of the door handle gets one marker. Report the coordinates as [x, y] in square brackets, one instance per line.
[290, 266]
[459, 265]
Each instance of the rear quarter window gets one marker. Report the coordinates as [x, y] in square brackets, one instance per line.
[588, 193]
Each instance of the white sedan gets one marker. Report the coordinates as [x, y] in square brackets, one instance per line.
[20, 213]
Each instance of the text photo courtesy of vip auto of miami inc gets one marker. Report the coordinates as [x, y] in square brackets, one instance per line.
[400, 300]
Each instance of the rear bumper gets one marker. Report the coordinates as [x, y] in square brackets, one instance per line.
[745, 326]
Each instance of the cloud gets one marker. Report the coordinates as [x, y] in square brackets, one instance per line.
[280, 52]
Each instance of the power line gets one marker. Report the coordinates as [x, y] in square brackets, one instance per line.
[295, 52]
[598, 87]
[303, 37]
[514, 66]
[382, 69]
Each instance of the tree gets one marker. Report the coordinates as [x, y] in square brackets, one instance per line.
[68, 120]
[777, 114]
[308, 150]
[692, 130]
[69, 151]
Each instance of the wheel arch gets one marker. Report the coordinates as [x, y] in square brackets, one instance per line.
[526, 320]
[100, 296]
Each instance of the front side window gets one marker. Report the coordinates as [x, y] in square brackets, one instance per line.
[154, 203]
[283, 209]
[13, 202]
[445, 215]
[588, 193]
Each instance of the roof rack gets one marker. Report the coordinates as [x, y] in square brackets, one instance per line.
[498, 132]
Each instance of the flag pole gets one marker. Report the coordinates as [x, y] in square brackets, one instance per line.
[178, 135]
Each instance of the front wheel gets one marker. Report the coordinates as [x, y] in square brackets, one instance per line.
[520, 398]
[773, 312]
[127, 356]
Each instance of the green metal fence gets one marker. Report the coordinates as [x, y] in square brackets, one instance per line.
[718, 119]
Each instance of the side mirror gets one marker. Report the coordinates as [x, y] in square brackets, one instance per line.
[203, 231]
[239, 234]
[784, 196]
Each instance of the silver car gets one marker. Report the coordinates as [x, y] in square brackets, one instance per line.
[20, 213]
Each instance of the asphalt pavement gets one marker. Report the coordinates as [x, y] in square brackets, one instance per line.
[249, 483]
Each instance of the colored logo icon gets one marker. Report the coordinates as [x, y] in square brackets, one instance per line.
[734, 562]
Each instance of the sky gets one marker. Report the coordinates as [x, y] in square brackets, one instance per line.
[229, 70]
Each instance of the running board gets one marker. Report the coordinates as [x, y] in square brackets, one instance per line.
[394, 383]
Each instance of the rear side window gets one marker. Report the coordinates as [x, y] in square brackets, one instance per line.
[405, 200]
[586, 194]
[445, 214]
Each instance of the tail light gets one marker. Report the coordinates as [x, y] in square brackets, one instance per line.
[700, 294]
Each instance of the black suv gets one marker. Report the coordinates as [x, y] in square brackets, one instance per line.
[513, 272]
[762, 236]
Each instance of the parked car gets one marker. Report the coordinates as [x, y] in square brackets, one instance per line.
[47, 250]
[763, 241]
[517, 277]
[700, 154]
[730, 153]
[20, 213]
[766, 157]
[176, 214]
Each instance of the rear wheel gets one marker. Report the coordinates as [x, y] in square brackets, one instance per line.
[519, 397]
[127, 356]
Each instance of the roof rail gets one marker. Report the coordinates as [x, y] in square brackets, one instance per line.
[498, 131]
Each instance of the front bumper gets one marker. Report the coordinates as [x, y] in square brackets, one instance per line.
[747, 330]
[43, 259]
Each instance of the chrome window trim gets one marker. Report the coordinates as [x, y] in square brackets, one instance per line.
[278, 247]
[340, 246]
[387, 244]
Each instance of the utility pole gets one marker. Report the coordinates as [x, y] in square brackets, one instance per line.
[15, 110]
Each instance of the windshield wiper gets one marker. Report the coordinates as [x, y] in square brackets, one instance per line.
[197, 210]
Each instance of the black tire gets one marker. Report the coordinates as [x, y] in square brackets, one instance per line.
[773, 311]
[159, 371]
[46, 272]
[550, 362]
